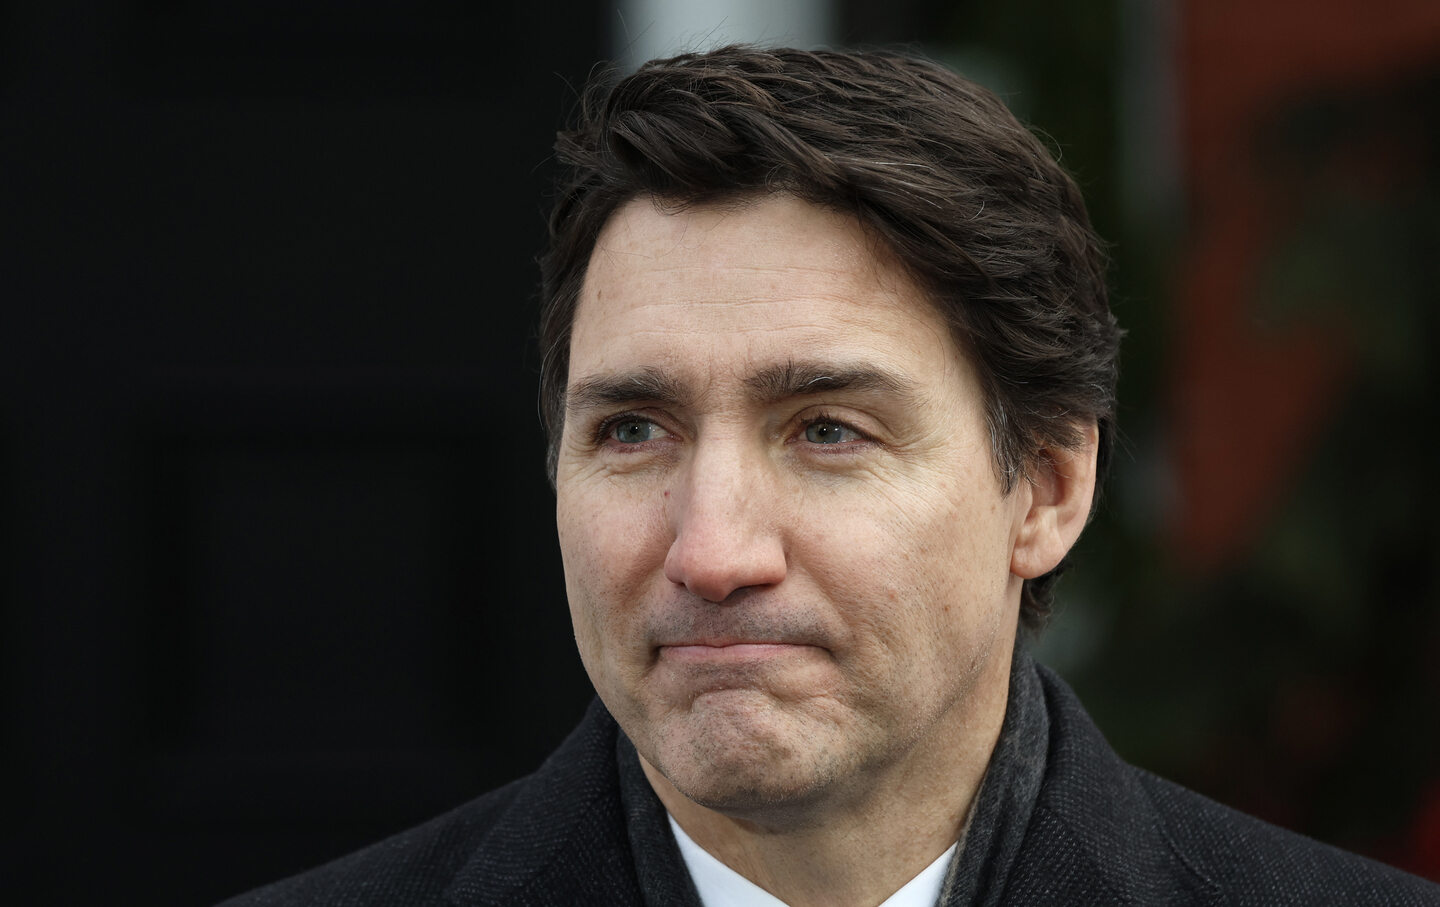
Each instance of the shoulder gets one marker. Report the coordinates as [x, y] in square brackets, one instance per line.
[1256, 862]
[412, 867]
[1112, 833]
[531, 841]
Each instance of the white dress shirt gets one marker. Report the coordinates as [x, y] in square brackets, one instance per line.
[721, 886]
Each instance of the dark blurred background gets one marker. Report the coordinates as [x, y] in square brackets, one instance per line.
[276, 547]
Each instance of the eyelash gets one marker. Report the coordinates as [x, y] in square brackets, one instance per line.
[824, 418]
[606, 428]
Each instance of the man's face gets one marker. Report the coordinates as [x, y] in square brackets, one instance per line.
[787, 553]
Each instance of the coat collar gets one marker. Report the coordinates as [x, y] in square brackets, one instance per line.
[1000, 813]
[1096, 833]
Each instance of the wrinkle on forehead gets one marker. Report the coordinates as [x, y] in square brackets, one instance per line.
[622, 235]
[827, 253]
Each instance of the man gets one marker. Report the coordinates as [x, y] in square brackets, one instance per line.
[829, 376]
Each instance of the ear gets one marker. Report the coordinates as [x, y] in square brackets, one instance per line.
[1061, 488]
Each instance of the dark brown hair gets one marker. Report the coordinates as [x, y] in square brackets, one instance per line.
[934, 165]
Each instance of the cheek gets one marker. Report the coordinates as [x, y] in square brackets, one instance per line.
[584, 558]
[918, 586]
[612, 551]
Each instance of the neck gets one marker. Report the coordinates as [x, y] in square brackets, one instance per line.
[859, 847]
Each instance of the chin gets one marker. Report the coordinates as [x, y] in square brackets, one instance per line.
[740, 761]
[745, 789]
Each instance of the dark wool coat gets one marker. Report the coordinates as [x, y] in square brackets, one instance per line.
[1098, 832]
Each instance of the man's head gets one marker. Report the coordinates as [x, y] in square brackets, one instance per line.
[933, 166]
[822, 381]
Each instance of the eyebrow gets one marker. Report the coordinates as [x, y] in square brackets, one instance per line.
[769, 385]
[797, 379]
[627, 387]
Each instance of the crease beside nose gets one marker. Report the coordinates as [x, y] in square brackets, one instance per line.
[724, 537]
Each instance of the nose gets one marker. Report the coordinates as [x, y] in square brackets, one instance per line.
[723, 517]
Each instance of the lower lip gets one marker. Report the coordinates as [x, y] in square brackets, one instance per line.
[749, 651]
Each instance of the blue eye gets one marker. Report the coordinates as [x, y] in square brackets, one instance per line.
[829, 433]
[635, 431]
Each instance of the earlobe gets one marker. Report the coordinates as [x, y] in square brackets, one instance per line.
[1061, 488]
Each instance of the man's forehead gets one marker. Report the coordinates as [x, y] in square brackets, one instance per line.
[651, 229]
[767, 248]
[779, 297]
